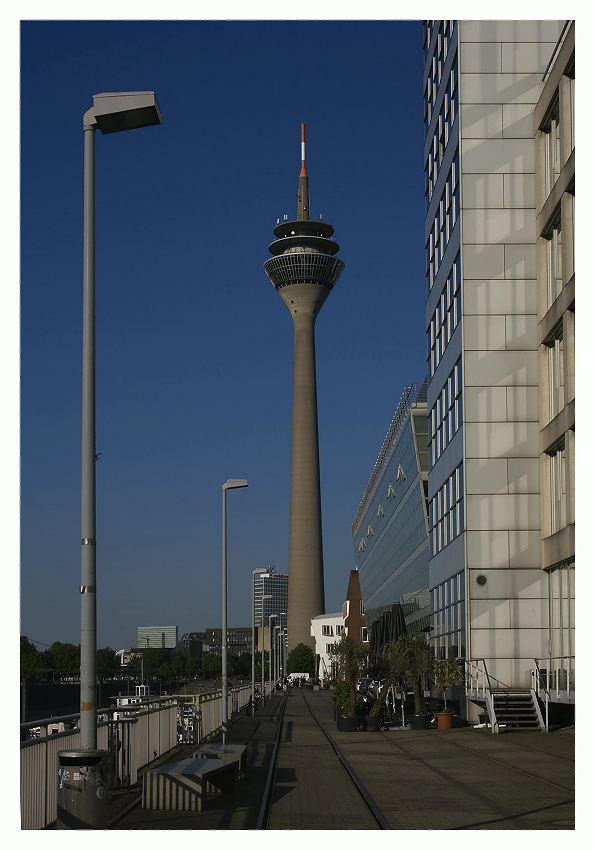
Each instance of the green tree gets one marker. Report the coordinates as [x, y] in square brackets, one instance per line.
[418, 658]
[211, 665]
[193, 667]
[65, 658]
[108, 663]
[301, 660]
[446, 674]
[392, 663]
[348, 656]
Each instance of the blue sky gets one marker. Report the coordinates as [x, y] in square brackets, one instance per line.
[194, 347]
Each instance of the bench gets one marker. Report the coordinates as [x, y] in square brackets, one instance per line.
[225, 752]
[183, 786]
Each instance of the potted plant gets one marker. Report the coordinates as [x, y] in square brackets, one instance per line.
[446, 674]
[417, 663]
[392, 662]
[347, 654]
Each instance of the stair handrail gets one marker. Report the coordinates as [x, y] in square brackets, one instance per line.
[480, 680]
[540, 691]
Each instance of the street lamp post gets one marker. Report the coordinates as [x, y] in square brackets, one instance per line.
[112, 112]
[282, 615]
[230, 484]
[268, 596]
[271, 617]
[254, 574]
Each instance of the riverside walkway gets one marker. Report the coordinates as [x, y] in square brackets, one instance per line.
[430, 780]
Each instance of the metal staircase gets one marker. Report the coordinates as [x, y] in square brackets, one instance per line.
[516, 711]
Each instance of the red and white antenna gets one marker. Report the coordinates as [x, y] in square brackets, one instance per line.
[303, 171]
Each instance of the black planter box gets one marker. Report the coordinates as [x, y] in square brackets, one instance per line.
[419, 721]
[346, 724]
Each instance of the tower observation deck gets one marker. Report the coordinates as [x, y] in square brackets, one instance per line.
[303, 270]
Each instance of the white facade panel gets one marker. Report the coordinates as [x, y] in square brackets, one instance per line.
[524, 584]
[503, 512]
[522, 474]
[481, 58]
[487, 550]
[523, 31]
[524, 549]
[520, 262]
[486, 475]
[485, 404]
[481, 120]
[519, 190]
[485, 333]
[501, 439]
[491, 226]
[483, 191]
[526, 57]
[521, 332]
[499, 296]
[483, 262]
[500, 88]
[518, 121]
[490, 613]
[522, 404]
[497, 156]
[498, 368]
[528, 613]
[507, 643]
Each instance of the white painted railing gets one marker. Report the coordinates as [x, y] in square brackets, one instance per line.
[553, 676]
[478, 686]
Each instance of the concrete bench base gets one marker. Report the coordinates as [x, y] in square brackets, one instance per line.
[225, 752]
[183, 786]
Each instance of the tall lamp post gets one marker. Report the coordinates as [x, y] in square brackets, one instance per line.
[230, 484]
[112, 112]
[271, 617]
[282, 619]
[254, 574]
[268, 596]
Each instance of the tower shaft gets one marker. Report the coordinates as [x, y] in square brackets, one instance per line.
[303, 270]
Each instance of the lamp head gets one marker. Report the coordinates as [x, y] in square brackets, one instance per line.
[235, 483]
[113, 112]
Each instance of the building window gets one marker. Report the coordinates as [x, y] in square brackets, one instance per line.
[446, 317]
[555, 348]
[448, 618]
[446, 416]
[364, 634]
[552, 146]
[329, 648]
[554, 260]
[340, 630]
[446, 512]
[561, 610]
[558, 486]
[327, 631]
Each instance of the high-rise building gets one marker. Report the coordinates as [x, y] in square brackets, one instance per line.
[303, 270]
[496, 309]
[390, 529]
[274, 585]
[159, 637]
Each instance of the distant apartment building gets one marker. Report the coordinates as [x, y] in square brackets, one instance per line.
[499, 182]
[157, 637]
[238, 640]
[390, 529]
[327, 630]
[192, 645]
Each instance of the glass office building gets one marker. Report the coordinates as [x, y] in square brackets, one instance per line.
[390, 529]
[158, 637]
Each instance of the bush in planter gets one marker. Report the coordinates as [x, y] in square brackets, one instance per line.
[392, 662]
[347, 656]
[340, 697]
[446, 674]
[418, 658]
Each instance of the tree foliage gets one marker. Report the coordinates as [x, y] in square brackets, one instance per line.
[392, 662]
[348, 656]
[301, 660]
[418, 659]
[446, 674]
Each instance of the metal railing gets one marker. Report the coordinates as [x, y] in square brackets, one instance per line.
[131, 741]
[478, 686]
[553, 676]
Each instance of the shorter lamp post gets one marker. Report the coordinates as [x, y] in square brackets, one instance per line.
[271, 617]
[268, 596]
[230, 484]
[254, 574]
[276, 676]
[283, 619]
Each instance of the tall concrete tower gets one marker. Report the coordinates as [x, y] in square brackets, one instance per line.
[303, 270]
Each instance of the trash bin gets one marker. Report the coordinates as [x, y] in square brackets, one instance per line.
[82, 789]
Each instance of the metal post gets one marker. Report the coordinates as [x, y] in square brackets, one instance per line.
[271, 617]
[254, 573]
[268, 596]
[88, 697]
[224, 628]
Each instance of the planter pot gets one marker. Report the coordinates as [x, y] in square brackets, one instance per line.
[372, 724]
[419, 721]
[316, 688]
[443, 720]
[346, 724]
